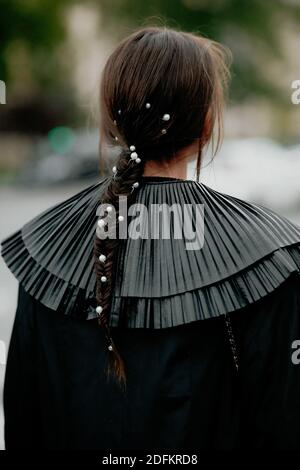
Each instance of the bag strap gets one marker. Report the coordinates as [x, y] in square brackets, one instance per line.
[232, 342]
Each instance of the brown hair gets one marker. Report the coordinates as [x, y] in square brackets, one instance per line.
[178, 73]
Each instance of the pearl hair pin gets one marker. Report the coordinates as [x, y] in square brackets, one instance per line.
[133, 156]
[99, 309]
[166, 117]
[114, 170]
[110, 347]
[135, 185]
[148, 105]
[102, 258]
[164, 131]
[121, 218]
[103, 278]
[109, 209]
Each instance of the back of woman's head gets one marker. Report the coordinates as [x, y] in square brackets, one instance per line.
[161, 90]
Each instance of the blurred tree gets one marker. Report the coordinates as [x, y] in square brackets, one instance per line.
[251, 28]
[32, 32]
[39, 94]
[37, 25]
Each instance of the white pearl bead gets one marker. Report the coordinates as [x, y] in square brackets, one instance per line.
[138, 160]
[136, 184]
[99, 309]
[109, 208]
[163, 131]
[101, 223]
[119, 112]
[114, 169]
[120, 218]
[148, 105]
[110, 347]
[116, 138]
[103, 278]
[133, 156]
[166, 117]
[102, 258]
[132, 148]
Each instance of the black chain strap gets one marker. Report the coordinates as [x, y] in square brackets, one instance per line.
[232, 341]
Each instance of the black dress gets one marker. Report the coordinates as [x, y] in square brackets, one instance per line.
[210, 337]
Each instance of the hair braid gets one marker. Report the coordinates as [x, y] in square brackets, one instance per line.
[128, 172]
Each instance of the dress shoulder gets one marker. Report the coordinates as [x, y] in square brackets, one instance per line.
[248, 251]
[52, 254]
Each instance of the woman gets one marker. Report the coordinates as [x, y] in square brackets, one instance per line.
[197, 345]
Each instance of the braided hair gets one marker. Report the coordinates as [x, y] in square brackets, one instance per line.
[161, 90]
[122, 183]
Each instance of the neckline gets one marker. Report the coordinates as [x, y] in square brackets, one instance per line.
[162, 179]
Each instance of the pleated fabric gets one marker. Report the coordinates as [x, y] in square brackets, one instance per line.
[248, 251]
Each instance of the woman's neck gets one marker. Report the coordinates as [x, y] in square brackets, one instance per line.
[176, 169]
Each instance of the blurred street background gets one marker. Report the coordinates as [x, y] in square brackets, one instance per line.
[51, 56]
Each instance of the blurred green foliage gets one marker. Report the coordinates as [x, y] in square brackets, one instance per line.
[251, 28]
[37, 75]
[38, 25]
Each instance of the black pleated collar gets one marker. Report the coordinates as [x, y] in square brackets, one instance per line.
[162, 179]
[248, 252]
